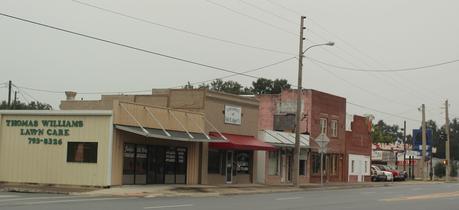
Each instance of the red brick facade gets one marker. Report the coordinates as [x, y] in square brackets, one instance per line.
[358, 142]
[317, 105]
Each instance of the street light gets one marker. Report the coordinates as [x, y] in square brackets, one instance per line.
[296, 152]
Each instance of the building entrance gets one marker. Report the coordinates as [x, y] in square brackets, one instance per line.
[148, 164]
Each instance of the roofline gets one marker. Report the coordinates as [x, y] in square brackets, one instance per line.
[58, 112]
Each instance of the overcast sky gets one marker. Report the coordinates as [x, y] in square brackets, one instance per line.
[369, 34]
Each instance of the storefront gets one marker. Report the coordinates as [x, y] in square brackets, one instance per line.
[151, 164]
[56, 147]
[276, 166]
[234, 161]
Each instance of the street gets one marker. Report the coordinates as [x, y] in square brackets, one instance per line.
[406, 197]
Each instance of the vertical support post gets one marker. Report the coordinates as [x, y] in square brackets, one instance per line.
[9, 94]
[404, 146]
[321, 168]
[296, 152]
[424, 142]
[447, 143]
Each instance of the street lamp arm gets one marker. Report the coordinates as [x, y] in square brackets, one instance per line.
[317, 45]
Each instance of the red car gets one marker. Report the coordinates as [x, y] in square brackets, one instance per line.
[397, 175]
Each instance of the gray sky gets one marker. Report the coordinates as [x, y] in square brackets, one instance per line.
[368, 34]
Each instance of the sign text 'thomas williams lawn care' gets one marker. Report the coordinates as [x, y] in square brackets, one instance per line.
[50, 131]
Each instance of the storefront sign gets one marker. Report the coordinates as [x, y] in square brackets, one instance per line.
[232, 115]
[376, 155]
[45, 131]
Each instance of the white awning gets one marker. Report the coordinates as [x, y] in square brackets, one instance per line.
[282, 139]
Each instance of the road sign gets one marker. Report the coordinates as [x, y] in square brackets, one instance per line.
[322, 140]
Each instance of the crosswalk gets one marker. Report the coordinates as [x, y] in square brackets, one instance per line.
[24, 199]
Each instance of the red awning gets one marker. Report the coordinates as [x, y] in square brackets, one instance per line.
[239, 142]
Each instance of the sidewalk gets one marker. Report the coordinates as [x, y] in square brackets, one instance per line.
[194, 190]
[220, 190]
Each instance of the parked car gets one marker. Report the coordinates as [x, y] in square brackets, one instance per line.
[388, 173]
[377, 174]
[398, 174]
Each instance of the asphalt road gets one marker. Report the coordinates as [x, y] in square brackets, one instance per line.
[403, 197]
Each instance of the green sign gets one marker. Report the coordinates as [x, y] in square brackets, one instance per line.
[50, 132]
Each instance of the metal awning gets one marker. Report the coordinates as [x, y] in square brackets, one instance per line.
[173, 135]
[283, 139]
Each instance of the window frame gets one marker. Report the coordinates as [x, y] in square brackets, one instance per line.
[85, 158]
[323, 125]
[334, 127]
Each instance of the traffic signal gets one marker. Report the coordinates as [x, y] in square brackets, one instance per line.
[443, 136]
[445, 162]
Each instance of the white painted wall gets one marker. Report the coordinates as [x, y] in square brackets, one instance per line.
[359, 165]
[261, 163]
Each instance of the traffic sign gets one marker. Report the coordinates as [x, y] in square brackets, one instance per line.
[322, 140]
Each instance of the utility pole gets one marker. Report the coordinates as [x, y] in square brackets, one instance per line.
[424, 140]
[15, 99]
[404, 145]
[9, 94]
[296, 152]
[447, 152]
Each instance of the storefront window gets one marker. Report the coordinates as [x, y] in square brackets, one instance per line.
[273, 163]
[215, 162]
[180, 177]
[334, 163]
[169, 165]
[82, 152]
[302, 167]
[315, 163]
[129, 159]
[242, 162]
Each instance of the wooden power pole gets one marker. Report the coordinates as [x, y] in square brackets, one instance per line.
[447, 152]
[296, 152]
[424, 142]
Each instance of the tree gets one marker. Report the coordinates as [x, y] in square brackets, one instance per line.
[383, 133]
[23, 106]
[267, 86]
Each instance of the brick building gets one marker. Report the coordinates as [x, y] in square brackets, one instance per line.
[358, 150]
[322, 113]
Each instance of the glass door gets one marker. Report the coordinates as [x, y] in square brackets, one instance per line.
[141, 165]
[180, 177]
[229, 167]
[170, 165]
[129, 164]
[155, 174]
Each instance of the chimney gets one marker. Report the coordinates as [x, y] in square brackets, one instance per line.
[70, 95]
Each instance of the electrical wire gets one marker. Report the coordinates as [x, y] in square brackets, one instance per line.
[143, 50]
[180, 30]
[252, 18]
[25, 92]
[248, 71]
[371, 93]
[382, 112]
[127, 46]
[384, 70]
[268, 12]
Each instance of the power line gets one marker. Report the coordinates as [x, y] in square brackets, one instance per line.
[148, 90]
[268, 12]
[128, 46]
[252, 18]
[374, 94]
[384, 70]
[248, 71]
[181, 30]
[19, 89]
[382, 112]
[350, 45]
